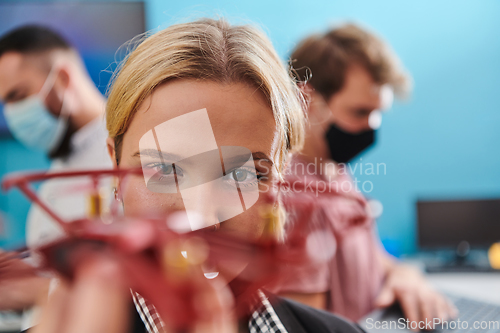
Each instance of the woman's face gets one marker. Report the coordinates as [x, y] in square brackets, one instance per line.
[238, 116]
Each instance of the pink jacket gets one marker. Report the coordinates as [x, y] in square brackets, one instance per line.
[352, 275]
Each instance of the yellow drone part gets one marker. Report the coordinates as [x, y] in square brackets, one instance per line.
[94, 205]
[494, 255]
[274, 225]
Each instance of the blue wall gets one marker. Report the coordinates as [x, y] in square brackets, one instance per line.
[443, 142]
[13, 205]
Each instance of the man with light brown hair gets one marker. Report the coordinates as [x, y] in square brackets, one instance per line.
[349, 75]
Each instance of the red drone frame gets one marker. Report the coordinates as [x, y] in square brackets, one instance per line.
[267, 257]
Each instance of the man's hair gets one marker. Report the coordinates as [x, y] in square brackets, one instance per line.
[32, 39]
[322, 60]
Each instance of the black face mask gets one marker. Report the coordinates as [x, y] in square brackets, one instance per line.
[344, 146]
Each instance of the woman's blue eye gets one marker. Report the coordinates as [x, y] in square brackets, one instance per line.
[240, 175]
[163, 169]
[166, 169]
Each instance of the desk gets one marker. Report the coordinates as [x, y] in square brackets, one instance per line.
[478, 286]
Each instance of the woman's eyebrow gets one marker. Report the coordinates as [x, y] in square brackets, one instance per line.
[260, 156]
[157, 154]
[257, 156]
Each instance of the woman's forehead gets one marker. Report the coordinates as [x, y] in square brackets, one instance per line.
[178, 111]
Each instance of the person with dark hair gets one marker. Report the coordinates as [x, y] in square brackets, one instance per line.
[350, 75]
[41, 71]
[51, 105]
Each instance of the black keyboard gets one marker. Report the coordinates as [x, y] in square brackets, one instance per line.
[474, 316]
[476, 313]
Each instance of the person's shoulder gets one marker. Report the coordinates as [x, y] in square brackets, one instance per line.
[300, 318]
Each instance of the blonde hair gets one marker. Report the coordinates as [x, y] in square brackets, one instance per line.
[211, 50]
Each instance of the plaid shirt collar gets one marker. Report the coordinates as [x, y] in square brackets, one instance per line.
[262, 320]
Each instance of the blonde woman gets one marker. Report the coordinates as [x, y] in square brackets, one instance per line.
[179, 93]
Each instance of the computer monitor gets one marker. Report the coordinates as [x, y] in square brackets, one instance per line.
[445, 224]
[95, 29]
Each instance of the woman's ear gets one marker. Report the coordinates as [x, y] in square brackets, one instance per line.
[110, 143]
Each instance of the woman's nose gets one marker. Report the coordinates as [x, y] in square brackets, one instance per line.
[201, 204]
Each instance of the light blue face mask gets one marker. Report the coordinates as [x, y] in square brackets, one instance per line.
[31, 122]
